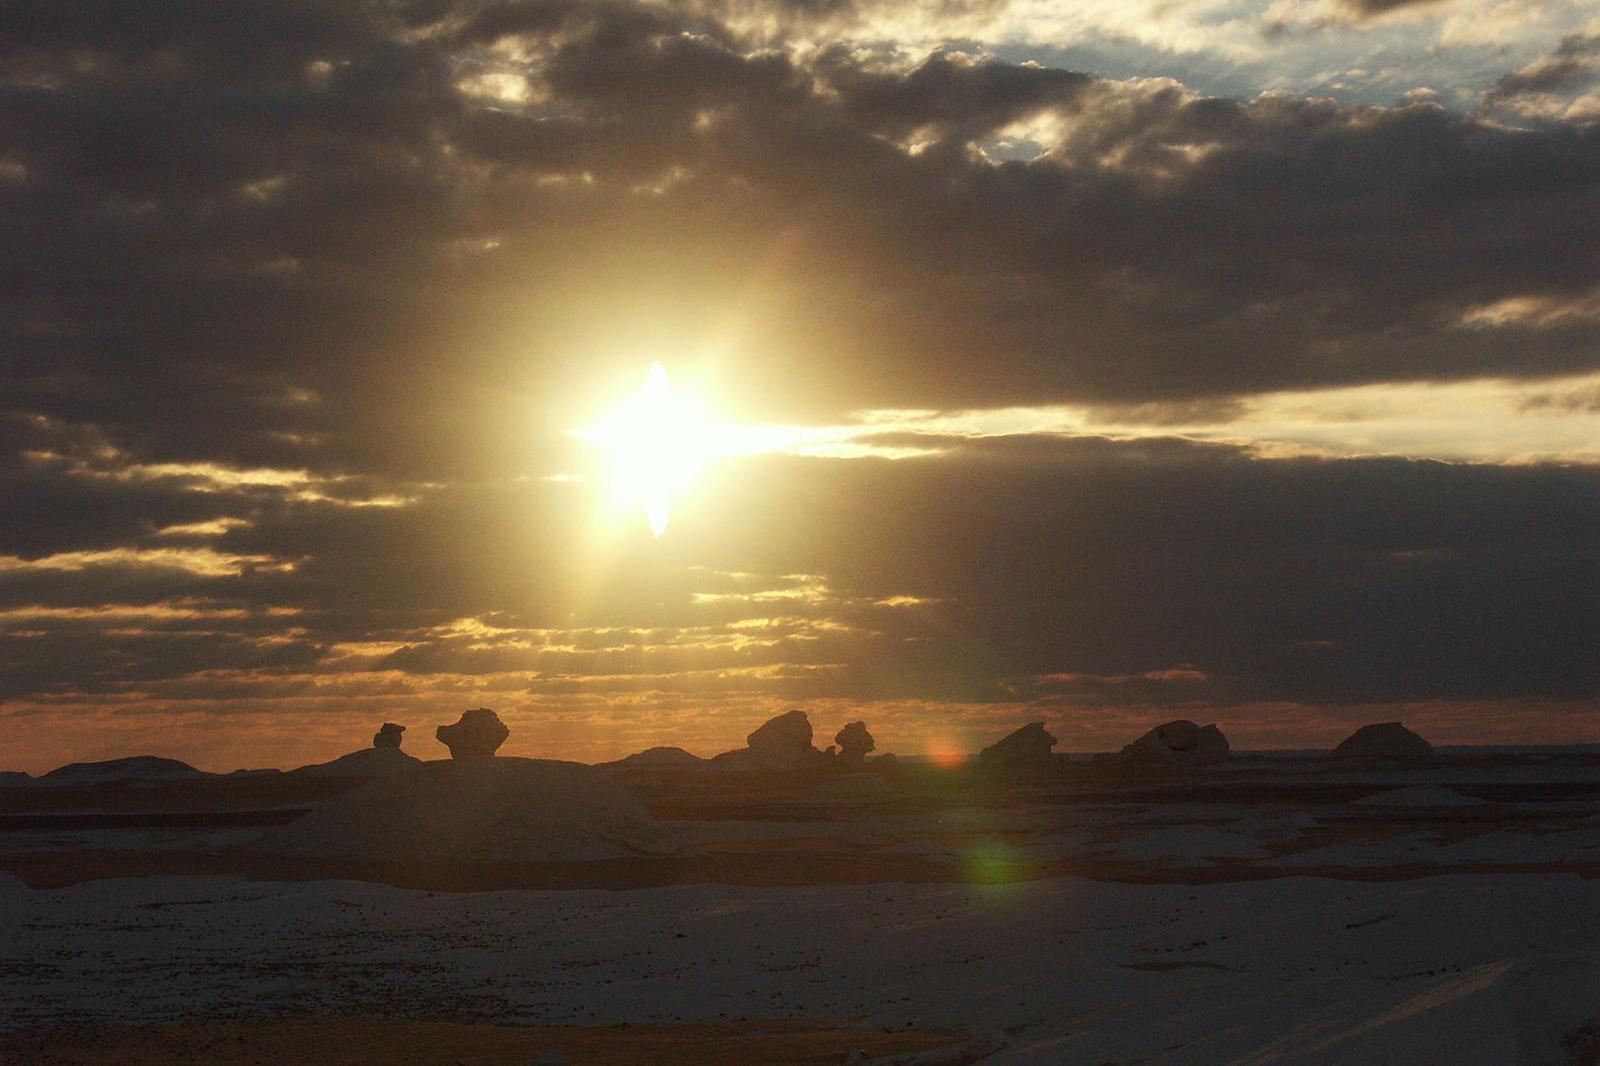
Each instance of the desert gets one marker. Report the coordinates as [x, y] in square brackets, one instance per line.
[1259, 907]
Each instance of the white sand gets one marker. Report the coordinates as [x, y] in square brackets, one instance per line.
[1187, 845]
[1419, 796]
[1470, 971]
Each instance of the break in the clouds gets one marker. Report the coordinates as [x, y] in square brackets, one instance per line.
[1233, 359]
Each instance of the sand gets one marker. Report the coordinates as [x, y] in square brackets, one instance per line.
[1471, 971]
[1248, 917]
[371, 1042]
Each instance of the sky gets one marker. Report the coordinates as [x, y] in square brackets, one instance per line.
[1098, 363]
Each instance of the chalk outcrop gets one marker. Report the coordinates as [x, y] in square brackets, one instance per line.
[484, 810]
[658, 759]
[1180, 743]
[380, 760]
[1386, 742]
[854, 742]
[781, 743]
[655, 764]
[781, 737]
[134, 769]
[1027, 749]
[368, 762]
[476, 735]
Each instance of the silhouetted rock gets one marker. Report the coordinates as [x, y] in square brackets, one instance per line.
[488, 810]
[854, 742]
[368, 762]
[786, 733]
[782, 743]
[389, 736]
[1385, 742]
[1026, 749]
[661, 758]
[1180, 743]
[12, 778]
[475, 735]
[135, 768]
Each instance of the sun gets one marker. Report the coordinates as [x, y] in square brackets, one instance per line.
[654, 443]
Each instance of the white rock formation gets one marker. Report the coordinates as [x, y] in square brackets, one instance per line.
[368, 762]
[475, 735]
[659, 758]
[781, 743]
[854, 742]
[135, 768]
[1386, 742]
[1180, 743]
[1026, 749]
[480, 810]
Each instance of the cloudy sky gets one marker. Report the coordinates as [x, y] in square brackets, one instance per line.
[1099, 362]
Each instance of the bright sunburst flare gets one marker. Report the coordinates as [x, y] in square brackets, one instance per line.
[655, 443]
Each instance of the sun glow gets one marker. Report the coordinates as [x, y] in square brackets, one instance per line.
[655, 443]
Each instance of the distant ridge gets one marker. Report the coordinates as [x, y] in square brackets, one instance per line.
[132, 768]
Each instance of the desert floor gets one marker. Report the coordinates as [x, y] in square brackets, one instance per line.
[1273, 911]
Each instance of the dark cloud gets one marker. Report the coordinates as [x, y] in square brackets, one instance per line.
[1373, 8]
[311, 200]
[1016, 568]
[389, 253]
[1574, 65]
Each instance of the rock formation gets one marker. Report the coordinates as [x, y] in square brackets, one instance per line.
[488, 810]
[133, 768]
[1385, 742]
[475, 735]
[661, 758]
[782, 743]
[12, 778]
[782, 735]
[367, 762]
[854, 742]
[380, 760]
[1180, 743]
[1027, 749]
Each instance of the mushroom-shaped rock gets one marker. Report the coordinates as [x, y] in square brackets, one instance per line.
[475, 736]
[854, 742]
[1180, 743]
[389, 736]
[1026, 749]
[1385, 742]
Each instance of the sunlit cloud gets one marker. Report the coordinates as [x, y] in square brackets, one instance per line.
[1493, 421]
[201, 562]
